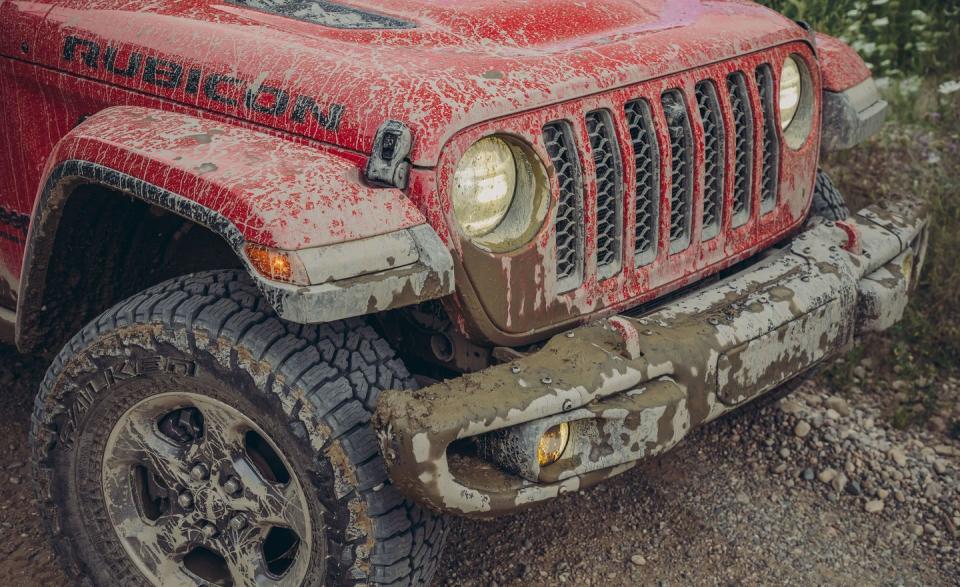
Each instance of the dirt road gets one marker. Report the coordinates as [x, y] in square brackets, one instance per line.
[744, 501]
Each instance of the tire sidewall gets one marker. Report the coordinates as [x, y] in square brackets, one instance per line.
[114, 373]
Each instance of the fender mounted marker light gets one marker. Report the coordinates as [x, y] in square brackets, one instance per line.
[276, 265]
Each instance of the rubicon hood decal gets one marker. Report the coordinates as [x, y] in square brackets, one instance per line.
[223, 88]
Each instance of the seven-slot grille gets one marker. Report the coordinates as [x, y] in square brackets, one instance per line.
[676, 151]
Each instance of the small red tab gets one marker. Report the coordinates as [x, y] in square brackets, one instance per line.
[854, 245]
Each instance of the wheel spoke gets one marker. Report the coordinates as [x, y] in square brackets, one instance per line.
[273, 504]
[140, 443]
[245, 559]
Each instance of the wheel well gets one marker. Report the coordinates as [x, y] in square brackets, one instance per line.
[108, 246]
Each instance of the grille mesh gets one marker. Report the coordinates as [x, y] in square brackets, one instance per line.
[771, 143]
[681, 169]
[713, 155]
[606, 158]
[569, 225]
[646, 158]
[739, 181]
[743, 147]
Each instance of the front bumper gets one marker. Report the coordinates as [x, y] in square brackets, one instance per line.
[632, 387]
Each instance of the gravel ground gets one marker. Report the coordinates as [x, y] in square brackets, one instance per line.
[814, 488]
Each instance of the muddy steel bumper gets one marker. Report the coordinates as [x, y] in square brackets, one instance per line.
[632, 387]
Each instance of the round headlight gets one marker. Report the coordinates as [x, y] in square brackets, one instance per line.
[484, 184]
[791, 89]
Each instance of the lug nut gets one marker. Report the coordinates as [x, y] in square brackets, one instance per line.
[232, 486]
[199, 472]
[185, 500]
[208, 530]
[238, 522]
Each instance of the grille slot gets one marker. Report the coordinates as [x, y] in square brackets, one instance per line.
[606, 158]
[713, 156]
[646, 160]
[681, 169]
[560, 146]
[743, 147]
[770, 163]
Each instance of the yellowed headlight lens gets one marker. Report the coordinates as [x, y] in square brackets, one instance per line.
[791, 88]
[483, 186]
[553, 443]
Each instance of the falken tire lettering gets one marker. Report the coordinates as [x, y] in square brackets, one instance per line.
[169, 75]
[107, 378]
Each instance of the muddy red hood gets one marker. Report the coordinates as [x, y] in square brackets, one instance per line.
[437, 65]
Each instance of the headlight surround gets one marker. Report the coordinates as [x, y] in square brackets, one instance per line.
[500, 193]
[791, 91]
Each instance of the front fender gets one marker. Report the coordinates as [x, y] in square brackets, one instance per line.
[368, 249]
[853, 110]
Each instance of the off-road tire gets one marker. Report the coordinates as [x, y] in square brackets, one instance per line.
[312, 388]
[828, 202]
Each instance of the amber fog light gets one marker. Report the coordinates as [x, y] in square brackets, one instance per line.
[552, 444]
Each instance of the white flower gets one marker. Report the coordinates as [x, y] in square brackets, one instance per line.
[880, 22]
[879, 2]
[910, 85]
[920, 15]
[949, 87]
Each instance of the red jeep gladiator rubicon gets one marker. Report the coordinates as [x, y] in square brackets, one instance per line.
[315, 274]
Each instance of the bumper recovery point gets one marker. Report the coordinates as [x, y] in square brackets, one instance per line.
[630, 387]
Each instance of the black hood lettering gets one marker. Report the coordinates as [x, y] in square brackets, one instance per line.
[219, 87]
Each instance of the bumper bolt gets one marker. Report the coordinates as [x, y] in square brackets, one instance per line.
[232, 486]
[185, 500]
[199, 472]
[208, 530]
[238, 522]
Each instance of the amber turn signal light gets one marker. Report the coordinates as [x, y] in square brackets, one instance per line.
[552, 444]
[276, 265]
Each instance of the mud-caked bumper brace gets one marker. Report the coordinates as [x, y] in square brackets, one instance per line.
[632, 387]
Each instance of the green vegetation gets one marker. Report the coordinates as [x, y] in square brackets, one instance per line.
[897, 38]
